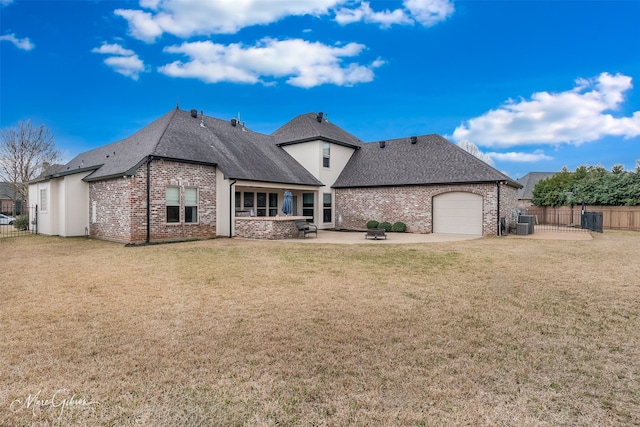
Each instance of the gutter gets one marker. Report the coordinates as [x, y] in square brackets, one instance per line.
[149, 159]
[231, 208]
[499, 233]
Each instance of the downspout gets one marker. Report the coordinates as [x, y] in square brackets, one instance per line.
[499, 225]
[149, 159]
[231, 208]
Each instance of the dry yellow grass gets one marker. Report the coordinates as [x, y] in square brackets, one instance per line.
[234, 333]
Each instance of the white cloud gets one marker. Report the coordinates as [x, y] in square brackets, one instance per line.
[429, 12]
[424, 12]
[123, 61]
[536, 156]
[24, 44]
[575, 116]
[364, 13]
[304, 64]
[113, 49]
[185, 18]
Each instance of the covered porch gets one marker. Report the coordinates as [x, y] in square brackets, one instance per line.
[256, 209]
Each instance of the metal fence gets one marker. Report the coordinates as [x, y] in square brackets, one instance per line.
[566, 218]
[23, 224]
[569, 221]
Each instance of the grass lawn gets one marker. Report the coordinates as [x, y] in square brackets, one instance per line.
[495, 331]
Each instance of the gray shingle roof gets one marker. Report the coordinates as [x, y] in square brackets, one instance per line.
[306, 127]
[8, 191]
[237, 151]
[529, 181]
[431, 160]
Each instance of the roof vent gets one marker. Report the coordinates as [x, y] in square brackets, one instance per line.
[414, 139]
[234, 122]
[382, 144]
[319, 117]
[194, 113]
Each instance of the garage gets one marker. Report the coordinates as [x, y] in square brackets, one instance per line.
[457, 213]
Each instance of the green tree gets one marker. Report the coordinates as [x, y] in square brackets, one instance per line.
[594, 184]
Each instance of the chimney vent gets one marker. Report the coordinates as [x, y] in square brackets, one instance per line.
[382, 144]
[234, 122]
[194, 113]
[319, 117]
[414, 139]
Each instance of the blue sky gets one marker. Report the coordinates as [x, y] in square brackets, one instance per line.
[527, 85]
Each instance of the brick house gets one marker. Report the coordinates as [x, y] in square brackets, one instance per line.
[190, 176]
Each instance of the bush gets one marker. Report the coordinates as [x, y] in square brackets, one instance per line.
[372, 224]
[21, 222]
[399, 227]
[386, 226]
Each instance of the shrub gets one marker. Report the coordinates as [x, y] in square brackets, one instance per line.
[21, 222]
[372, 224]
[399, 227]
[386, 226]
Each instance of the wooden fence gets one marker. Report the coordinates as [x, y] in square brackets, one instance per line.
[614, 217]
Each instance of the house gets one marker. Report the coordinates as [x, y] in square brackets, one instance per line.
[10, 198]
[528, 182]
[187, 176]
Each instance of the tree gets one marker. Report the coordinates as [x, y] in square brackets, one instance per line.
[25, 152]
[593, 184]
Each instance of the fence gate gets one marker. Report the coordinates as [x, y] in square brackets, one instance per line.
[592, 221]
[22, 223]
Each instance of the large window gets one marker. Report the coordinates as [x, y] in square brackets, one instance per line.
[273, 204]
[173, 204]
[190, 205]
[326, 154]
[261, 204]
[326, 207]
[307, 204]
[248, 201]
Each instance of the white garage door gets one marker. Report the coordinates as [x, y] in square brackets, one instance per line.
[457, 213]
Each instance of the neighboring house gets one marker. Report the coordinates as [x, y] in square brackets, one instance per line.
[187, 176]
[528, 182]
[10, 198]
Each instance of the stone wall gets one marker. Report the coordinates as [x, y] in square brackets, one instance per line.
[121, 203]
[413, 205]
[265, 228]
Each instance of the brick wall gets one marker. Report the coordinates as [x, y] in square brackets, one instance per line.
[254, 228]
[413, 205]
[121, 213]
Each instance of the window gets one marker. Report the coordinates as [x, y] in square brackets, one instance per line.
[248, 200]
[307, 204]
[261, 199]
[273, 204]
[43, 200]
[326, 154]
[173, 204]
[190, 205]
[238, 200]
[326, 207]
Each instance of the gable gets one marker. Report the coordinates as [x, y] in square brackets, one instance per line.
[313, 127]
